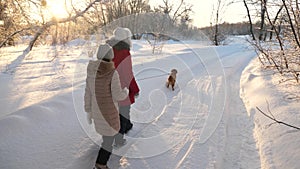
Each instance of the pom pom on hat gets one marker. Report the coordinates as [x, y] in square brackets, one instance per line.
[122, 33]
[105, 52]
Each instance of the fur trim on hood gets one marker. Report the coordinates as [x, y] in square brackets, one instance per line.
[119, 45]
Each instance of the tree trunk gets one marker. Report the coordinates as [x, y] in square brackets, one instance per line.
[41, 30]
[274, 21]
[250, 20]
[281, 44]
[216, 41]
[54, 38]
[262, 18]
[36, 36]
[216, 34]
[291, 23]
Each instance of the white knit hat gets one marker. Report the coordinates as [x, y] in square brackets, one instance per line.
[123, 34]
[105, 52]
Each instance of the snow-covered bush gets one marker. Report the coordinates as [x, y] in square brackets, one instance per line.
[282, 51]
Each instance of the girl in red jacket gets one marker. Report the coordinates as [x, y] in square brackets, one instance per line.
[121, 44]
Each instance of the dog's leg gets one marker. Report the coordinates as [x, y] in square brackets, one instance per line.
[173, 86]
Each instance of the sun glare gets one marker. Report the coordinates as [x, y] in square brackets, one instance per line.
[57, 9]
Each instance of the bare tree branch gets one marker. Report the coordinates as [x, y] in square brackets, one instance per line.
[13, 34]
[291, 23]
[176, 11]
[274, 21]
[250, 20]
[277, 121]
[42, 28]
[51, 23]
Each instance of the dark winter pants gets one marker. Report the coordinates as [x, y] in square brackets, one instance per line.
[125, 122]
[105, 150]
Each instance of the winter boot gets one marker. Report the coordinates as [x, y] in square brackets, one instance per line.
[120, 143]
[100, 166]
[128, 127]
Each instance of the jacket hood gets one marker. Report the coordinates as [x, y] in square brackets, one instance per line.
[99, 67]
[119, 45]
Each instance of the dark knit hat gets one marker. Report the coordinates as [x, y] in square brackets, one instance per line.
[105, 52]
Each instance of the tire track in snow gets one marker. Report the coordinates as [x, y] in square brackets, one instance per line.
[231, 144]
[240, 146]
[185, 155]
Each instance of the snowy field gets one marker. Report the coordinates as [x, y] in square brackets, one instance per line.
[209, 121]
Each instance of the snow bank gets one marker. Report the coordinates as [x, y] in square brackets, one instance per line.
[77, 42]
[279, 145]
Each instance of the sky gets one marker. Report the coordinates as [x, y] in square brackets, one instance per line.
[202, 11]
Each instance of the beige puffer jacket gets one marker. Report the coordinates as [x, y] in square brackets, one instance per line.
[102, 93]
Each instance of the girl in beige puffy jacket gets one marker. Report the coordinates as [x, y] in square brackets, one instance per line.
[102, 93]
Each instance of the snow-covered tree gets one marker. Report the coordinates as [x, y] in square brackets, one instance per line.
[283, 50]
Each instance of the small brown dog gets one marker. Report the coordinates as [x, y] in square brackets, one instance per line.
[172, 79]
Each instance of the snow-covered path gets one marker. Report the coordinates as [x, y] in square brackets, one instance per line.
[240, 147]
[202, 124]
[218, 139]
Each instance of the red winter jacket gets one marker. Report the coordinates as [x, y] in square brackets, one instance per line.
[123, 65]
